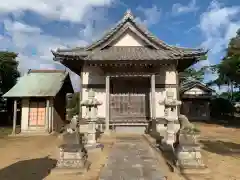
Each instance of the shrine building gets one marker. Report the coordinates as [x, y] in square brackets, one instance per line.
[130, 70]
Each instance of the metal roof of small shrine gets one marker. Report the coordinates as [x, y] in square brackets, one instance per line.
[155, 48]
[38, 83]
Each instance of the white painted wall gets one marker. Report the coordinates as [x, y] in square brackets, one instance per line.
[24, 118]
[195, 90]
[128, 39]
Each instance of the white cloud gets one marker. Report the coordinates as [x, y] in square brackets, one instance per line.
[181, 9]
[71, 10]
[20, 27]
[151, 15]
[33, 45]
[218, 26]
[22, 38]
[25, 39]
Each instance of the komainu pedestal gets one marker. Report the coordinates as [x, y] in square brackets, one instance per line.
[72, 154]
[188, 150]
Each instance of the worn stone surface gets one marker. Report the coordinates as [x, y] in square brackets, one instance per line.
[131, 158]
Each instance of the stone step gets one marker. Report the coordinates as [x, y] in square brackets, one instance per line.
[131, 160]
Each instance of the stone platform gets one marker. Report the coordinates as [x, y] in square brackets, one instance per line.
[131, 159]
[72, 159]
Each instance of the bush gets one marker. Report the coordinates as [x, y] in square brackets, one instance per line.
[221, 107]
[73, 106]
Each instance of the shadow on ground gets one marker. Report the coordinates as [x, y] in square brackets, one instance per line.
[227, 122]
[35, 169]
[221, 147]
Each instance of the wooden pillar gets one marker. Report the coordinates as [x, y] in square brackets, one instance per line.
[107, 115]
[208, 110]
[48, 122]
[178, 92]
[14, 116]
[153, 99]
[80, 98]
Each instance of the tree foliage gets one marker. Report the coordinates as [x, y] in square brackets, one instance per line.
[221, 107]
[192, 74]
[235, 96]
[8, 72]
[221, 79]
[228, 69]
[73, 105]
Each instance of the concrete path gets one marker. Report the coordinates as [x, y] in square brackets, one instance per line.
[131, 159]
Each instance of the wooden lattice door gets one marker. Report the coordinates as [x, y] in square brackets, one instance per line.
[37, 113]
[129, 100]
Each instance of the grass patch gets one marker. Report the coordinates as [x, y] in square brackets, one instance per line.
[4, 131]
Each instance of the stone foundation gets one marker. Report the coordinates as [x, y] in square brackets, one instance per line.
[130, 129]
[71, 157]
[189, 157]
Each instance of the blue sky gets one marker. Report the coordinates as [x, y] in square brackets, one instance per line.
[33, 27]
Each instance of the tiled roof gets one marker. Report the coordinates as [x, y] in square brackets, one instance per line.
[190, 84]
[130, 53]
[129, 22]
[38, 83]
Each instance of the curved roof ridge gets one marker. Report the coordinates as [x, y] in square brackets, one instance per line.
[186, 48]
[129, 16]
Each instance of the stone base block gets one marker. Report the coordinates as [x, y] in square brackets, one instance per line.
[195, 171]
[71, 156]
[189, 157]
[71, 163]
[71, 170]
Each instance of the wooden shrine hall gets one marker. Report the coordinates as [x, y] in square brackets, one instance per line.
[130, 70]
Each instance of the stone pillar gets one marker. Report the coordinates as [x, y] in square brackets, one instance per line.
[14, 116]
[92, 126]
[170, 139]
[91, 105]
[171, 115]
[107, 115]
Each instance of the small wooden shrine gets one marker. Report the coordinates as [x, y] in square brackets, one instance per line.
[42, 94]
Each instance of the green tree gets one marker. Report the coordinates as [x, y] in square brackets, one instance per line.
[228, 70]
[73, 105]
[221, 79]
[192, 74]
[230, 65]
[8, 73]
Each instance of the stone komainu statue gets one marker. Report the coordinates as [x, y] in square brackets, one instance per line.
[184, 122]
[72, 126]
